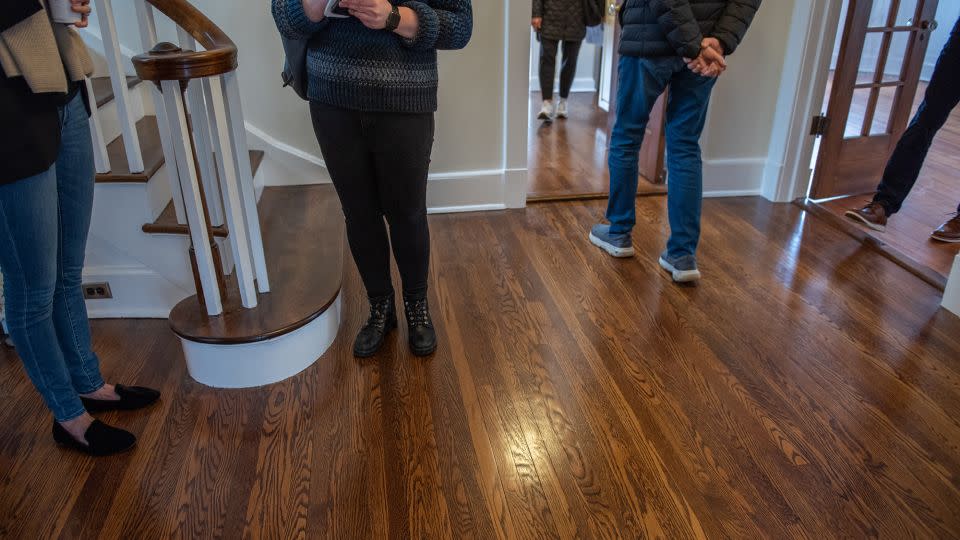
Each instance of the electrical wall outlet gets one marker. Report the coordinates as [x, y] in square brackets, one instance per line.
[97, 291]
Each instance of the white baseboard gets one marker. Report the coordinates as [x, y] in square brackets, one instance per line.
[736, 177]
[951, 296]
[138, 292]
[467, 191]
[286, 165]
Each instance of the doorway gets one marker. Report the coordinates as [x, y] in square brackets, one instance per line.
[884, 55]
[567, 158]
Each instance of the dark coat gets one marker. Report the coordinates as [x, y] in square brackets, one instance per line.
[659, 28]
[563, 20]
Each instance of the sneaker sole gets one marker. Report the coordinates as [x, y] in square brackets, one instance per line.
[939, 238]
[680, 276]
[860, 219]
[620, 253]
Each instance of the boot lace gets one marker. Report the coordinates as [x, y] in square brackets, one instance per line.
[418, 312]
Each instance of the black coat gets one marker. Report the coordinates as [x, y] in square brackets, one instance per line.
[659, 28]
[563, 20]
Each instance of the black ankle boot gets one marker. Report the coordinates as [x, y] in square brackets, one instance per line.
[383, 319]
[423, 338]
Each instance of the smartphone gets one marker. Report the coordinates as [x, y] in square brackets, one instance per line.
[334, 10]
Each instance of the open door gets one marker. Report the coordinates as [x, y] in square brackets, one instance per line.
[881, 55]
[652, 153]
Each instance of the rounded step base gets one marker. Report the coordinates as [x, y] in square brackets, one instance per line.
[249, 365]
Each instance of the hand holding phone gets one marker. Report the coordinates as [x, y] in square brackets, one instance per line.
[334, 10]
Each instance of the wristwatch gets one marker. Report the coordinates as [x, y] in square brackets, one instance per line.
[393, 19]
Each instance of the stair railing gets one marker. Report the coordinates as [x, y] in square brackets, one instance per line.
[197, 101]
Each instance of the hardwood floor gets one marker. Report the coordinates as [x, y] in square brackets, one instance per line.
[933, 200]
[807, 388]
[568, 158]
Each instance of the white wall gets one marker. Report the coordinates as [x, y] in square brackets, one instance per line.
[470, 125]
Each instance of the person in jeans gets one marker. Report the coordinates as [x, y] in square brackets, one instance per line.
[680, 44]
[46, 199]
[373, 93]
[903, 168]
[559, 23]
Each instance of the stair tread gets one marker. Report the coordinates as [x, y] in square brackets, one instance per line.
[303, 238]
[103, 89]
[166, 222]
[152, 150]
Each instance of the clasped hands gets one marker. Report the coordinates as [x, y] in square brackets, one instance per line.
[711, 62]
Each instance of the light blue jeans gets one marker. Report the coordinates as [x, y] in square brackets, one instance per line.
[44, 220]
[641, 81]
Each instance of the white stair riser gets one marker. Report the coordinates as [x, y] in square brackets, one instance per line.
[141, 105]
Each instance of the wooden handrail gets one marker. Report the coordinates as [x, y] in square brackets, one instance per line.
[170, 63]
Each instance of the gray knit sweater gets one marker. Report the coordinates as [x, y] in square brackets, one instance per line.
[354, 67]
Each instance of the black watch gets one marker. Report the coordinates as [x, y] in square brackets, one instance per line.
[393, 19]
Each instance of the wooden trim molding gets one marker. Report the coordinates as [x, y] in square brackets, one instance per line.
[167, 62]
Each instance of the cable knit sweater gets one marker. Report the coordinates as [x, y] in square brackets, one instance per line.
[354, 67]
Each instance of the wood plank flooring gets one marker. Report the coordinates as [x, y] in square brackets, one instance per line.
[568, 158]
[933, 200]
[807, 388]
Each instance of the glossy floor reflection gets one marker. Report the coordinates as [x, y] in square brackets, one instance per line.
[806, 388]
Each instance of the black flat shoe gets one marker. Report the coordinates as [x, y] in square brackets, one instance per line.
[131, 398]
[103, 440]
[422, 337]
[383, 320]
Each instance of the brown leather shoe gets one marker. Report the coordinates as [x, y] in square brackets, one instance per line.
[949, 231]
[873, 215]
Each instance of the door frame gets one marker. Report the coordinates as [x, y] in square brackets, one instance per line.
[803, 84]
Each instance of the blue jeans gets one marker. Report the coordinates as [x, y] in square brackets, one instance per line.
[943, 95]
[641, 82]
[44, 220]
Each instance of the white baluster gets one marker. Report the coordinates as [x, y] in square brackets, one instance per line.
[118, 78]
[190, 186]
[232, 196]
[200, 121]
[186, 40]
[241, 156]
[101, 160]
[148, 39]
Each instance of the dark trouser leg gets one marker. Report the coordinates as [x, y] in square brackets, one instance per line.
[402, 146]
[941, 97]
[568, 68]
[548, 66]
[347, 153]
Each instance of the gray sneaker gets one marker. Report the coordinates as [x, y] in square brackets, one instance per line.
[618, 245]
[683, 269]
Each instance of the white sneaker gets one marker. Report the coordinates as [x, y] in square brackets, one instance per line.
[546, 111]
[562, 108]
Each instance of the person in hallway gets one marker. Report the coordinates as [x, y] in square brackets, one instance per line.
[373, 93]
[560, 26]
[46, 199]
[903, 168]
[680, 43]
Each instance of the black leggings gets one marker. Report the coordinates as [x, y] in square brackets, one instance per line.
[548, 66]
[379, 163]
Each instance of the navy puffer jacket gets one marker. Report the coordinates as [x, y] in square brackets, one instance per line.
[658, 28]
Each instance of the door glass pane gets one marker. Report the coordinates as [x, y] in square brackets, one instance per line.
[868, 60]
[897, 56]
[881, 118]
[880, 13]
[857, 115]
[907, 11]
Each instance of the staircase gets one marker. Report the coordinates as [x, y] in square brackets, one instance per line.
[182, 226]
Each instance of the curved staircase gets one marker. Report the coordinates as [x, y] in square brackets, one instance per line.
[250, 276]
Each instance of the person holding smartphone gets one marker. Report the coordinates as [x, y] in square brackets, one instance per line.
[373, 93]
[46, 199]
